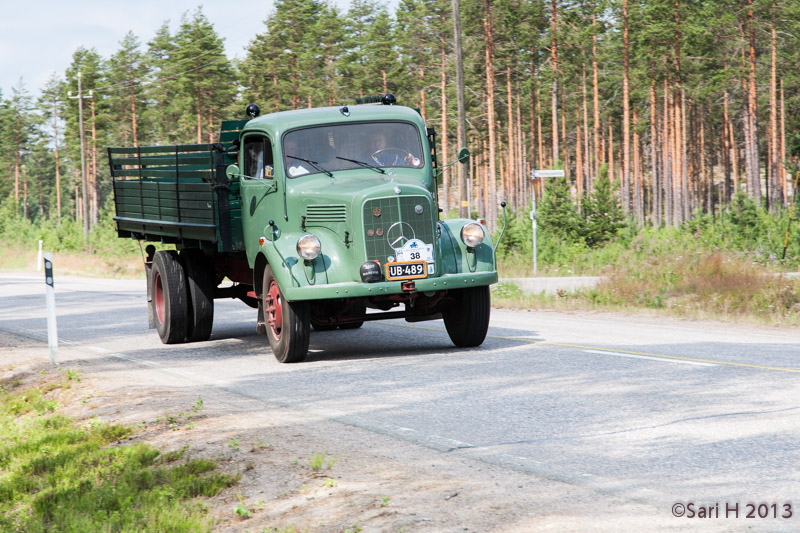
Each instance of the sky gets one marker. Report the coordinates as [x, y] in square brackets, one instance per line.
[38, 38]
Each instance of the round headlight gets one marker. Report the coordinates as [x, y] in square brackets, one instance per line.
[308, 247]
[472, 234]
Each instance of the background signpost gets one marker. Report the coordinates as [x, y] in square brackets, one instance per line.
[535, 174]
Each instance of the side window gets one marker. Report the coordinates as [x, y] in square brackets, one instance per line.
[258, 157]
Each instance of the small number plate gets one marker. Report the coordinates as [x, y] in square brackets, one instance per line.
[406, 270]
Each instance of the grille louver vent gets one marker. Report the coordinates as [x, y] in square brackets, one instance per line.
[324, 214]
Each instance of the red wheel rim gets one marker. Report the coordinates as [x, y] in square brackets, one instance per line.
[158, 297]
[274, 310]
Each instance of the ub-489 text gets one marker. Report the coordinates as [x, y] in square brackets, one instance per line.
[732, 510]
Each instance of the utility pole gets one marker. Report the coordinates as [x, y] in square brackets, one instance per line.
[463, 209]
[84, 187]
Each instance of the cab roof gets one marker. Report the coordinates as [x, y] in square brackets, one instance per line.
[279, 123]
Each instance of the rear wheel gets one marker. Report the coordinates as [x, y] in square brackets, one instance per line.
[287, 323]
[200, 283]
[467, 317]
[168, 298]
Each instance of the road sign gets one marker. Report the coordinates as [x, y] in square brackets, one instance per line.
[548, 174]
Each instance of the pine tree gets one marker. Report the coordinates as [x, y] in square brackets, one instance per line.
[206, 77]
[163, 113]
[557, 213]
[127, 73]
[602, 214]
[51, 125]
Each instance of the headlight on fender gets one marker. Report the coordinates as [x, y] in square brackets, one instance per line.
[472, 234]
[308, 247]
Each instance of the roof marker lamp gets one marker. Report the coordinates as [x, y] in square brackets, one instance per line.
[472, 234]
[308, 247]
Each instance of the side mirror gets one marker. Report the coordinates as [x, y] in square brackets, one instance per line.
[232, 172]
[463, 155]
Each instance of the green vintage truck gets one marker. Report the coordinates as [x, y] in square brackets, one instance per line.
[314, 216]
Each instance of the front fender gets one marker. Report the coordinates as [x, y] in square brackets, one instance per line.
[456, 256]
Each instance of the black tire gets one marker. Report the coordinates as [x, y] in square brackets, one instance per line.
[467, 317]
[200, 283]
[287, 323]
[168, 298]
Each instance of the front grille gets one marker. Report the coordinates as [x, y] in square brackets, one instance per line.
[317, 215]
[382, 213]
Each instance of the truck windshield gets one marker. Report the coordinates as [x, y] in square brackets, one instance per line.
[375, 145]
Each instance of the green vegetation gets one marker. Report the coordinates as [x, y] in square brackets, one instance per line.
[729, 268]
[58, 476]
[318, 461]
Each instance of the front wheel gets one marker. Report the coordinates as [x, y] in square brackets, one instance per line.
[287, 323]
[467, 317]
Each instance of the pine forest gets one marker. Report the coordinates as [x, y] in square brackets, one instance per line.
[682, 105]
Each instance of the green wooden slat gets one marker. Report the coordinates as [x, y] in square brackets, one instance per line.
[156, 173]
[151, 216]
[131, 196]
[185, 204]
[183, 159]
[185, 184]
[161, 149]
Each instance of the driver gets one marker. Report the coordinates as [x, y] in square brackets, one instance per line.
[388, 156]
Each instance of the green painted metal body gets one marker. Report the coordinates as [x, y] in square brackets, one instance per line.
[265, 217]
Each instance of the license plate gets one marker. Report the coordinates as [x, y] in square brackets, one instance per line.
[407, 270]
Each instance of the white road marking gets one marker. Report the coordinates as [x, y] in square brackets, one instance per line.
[662, 359]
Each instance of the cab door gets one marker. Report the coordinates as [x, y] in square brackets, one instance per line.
[259, 189]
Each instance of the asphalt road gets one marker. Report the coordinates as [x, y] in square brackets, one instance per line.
[659, 412]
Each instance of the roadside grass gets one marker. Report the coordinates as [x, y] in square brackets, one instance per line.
[690, 281]
[17, 258]
[56, 475]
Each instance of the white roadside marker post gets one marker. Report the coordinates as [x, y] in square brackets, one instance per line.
[52, 331]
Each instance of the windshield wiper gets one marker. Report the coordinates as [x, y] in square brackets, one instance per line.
[363, 164]
[312, 163]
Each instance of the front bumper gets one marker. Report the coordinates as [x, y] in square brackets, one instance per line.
[357, 289]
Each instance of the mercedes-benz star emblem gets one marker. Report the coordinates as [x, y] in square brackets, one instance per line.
[398, 234]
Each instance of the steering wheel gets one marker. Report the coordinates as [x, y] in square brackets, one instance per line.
[394, 156]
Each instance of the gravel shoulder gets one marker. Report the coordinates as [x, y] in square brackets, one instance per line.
[368, 480]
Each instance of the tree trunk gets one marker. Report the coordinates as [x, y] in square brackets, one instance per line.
[510, 193]
[95, 207]
[638, 190]
[775, 187]
[782, 150]
[443, 134]
[626, 119]
[754, 178]
[666, 154]
[587, 168]
[55, 148]
[598, 152]
[133, 110]
[491, 212]
[554, 95]
[655, 193]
